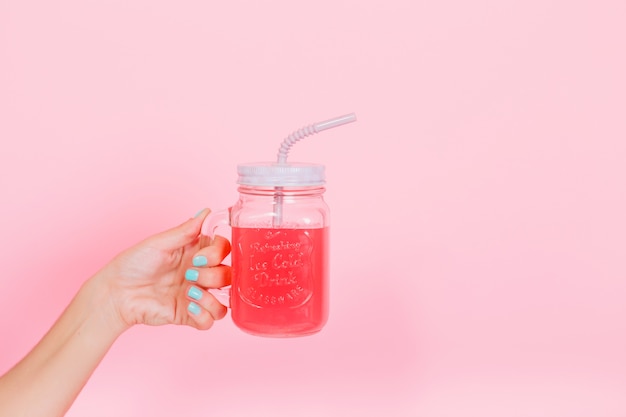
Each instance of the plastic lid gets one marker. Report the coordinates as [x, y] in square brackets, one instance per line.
[273, 174]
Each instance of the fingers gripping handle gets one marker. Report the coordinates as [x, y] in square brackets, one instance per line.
[207, 233]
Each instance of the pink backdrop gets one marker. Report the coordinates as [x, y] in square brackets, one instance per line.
[478, 227]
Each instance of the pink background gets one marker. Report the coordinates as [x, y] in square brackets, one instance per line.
[478, 227]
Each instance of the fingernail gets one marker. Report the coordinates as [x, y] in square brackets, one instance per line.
[200, 260]
[193, 308]
[194, 293]
[198, 213]
[191, 275]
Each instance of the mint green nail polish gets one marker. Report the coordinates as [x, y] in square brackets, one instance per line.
[200, 261]
[193, 308]
[198, 213]
[191, 275]
[194, 293]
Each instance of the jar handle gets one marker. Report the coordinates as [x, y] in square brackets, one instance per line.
[214, 221]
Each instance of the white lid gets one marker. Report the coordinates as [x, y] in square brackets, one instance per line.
[273, 174]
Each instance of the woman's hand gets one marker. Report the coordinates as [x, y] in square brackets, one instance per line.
[147, 285]
[144, 284]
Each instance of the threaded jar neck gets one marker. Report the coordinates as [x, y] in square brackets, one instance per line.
[311, 191]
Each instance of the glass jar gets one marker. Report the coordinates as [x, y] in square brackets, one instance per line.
[280, 237]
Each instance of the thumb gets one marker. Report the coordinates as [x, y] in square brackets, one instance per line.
[182, 234]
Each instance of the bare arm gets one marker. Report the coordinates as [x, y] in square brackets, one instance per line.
[48, 379]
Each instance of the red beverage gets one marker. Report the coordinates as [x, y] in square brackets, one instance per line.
[280, 280]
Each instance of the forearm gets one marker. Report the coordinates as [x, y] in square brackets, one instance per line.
[48, 379]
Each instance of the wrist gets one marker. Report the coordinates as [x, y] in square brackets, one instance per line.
[100, 295]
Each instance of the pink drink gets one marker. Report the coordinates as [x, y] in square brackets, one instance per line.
[280, 280]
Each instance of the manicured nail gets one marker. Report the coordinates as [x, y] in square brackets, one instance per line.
[198, 213]
[191, 275]
[193, 308]
[200, 261]
[194, 293]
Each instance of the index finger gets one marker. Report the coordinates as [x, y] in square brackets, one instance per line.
[213, 254]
